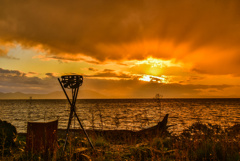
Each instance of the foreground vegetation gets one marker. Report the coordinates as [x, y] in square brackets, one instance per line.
[198, 142]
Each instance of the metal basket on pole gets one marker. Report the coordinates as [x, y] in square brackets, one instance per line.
[72, 82]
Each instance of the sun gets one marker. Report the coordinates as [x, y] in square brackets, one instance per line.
[145, 78]
[156, 79]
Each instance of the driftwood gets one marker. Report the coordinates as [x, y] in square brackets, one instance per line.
[157, 130]
[128, 135]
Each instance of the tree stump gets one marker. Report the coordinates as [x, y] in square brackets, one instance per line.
[41, 136]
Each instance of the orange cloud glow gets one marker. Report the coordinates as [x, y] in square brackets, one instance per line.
[182, 44]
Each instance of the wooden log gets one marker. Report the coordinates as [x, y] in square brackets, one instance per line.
[154, 131]
[123, 136]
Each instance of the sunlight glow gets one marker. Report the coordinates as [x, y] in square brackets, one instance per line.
[157, 62]
[145, 78]
[150, 78]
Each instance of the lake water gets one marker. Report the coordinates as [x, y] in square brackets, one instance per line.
[127, 114]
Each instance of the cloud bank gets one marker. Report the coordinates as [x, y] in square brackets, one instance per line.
[14, 80]
[204, 33]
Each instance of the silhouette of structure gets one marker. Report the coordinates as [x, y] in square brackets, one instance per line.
[72, 82]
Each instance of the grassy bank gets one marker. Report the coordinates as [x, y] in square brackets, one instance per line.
[197, 142]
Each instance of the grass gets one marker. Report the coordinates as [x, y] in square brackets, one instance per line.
[208, 142]
[198, 142]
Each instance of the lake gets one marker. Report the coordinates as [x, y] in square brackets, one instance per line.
[127, 114]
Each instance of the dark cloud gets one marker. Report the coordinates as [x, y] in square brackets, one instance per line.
[108, 70]
[32, 73]
[17, 81]
[7, 72]
[186, 30]
[92, 69]
[68, 57]
[109, 73]
[50, 75]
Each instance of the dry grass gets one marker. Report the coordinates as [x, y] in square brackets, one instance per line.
[198, 142]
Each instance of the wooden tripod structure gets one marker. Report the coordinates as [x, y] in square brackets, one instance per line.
[73, 82]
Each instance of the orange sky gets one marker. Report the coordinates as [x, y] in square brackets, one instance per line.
[124, 49]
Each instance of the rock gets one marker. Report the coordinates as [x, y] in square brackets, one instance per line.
[8, 134]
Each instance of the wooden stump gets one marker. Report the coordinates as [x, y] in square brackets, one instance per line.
[41, 136]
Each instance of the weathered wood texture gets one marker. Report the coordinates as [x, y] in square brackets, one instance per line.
[127, 135]
[41, 136]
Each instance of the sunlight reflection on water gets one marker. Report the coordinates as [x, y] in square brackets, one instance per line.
[127, 114]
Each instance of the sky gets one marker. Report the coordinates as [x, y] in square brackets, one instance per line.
[123, 49]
